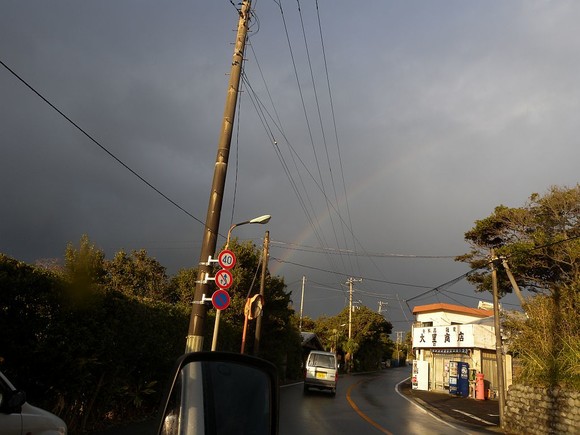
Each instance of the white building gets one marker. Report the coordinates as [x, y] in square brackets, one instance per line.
[446, 332]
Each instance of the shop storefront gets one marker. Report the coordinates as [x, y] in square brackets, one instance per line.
[445, 334]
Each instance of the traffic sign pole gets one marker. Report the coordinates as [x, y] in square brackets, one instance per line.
[216, 327]
[220, 300]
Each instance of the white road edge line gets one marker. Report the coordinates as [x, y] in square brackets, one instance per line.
[474, 417]
[426, 411]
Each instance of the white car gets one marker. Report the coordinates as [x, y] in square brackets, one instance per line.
[19, 417]
[321, 371]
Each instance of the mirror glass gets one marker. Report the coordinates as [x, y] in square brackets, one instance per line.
[219, 397]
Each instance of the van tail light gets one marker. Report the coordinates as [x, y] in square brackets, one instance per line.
[336, 376]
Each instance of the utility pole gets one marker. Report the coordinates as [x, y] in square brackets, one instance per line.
[349, 282]
[302, 303]
[498, 341]
[196, 329]
[513, 282]
[399, 340]
[262, 287]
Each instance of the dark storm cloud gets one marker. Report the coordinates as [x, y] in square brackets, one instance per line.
[443, 111]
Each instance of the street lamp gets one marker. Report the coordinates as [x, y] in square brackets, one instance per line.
[264, 219]
[258, 220]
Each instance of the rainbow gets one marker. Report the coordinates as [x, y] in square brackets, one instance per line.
[307, 233]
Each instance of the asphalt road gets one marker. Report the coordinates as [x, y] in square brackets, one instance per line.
[364, 404]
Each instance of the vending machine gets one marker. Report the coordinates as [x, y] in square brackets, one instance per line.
[459, 378]
[420, 375]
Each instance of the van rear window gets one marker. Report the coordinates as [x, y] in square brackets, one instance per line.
[325, 361]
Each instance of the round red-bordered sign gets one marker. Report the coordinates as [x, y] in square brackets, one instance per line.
[224, 278]
[227, 259]
[220, 299]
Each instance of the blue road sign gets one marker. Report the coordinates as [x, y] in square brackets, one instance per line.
[220, 299]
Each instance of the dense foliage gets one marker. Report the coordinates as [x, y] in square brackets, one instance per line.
[541, 242]
[88, 353]
[94, 340]
[280, 340]
[547, 341]
[369, 344]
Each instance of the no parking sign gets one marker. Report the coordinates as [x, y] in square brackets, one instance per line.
[220, 299]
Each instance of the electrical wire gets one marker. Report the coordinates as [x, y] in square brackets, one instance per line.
[314, 249]
[343, 275]
[102, 147]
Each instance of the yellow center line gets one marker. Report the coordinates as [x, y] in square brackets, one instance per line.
[362, 414]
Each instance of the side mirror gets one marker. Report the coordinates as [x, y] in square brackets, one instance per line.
[221, 393]
[12, 402]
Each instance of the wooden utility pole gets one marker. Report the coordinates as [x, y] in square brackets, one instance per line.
[262, 291]
[196, 329]
[513, 282]
[350, 280]
[302, 304]
[498, 340]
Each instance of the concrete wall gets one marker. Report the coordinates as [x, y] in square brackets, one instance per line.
[542, 411]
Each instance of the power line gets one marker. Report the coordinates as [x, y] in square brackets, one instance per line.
[96, 142]
[347, 275]
[315, 249]
[465, 275]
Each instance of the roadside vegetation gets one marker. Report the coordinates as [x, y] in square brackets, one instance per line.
[541, 243]
[94, 339]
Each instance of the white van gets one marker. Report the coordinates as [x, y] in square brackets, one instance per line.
[321, 371]
[18, 417]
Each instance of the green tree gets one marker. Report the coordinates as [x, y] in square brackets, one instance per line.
[84, 271]
[369, 343]
[371, 332]
[108, 353]
[137, 274]
[279, 341]
[308, 324]
[546, 358]
[30, 301]
[541, 242]
[182, 286]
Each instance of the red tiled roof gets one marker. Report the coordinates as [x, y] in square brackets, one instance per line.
[453, 308]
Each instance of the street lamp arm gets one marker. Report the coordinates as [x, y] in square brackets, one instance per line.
[264, 219]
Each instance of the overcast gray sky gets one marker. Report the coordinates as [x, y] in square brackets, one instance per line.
[441, 110]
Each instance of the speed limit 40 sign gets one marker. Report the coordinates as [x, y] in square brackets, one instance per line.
[227, 259]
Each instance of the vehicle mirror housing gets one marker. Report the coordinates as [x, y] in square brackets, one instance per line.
[13, 402]
[221, 393]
